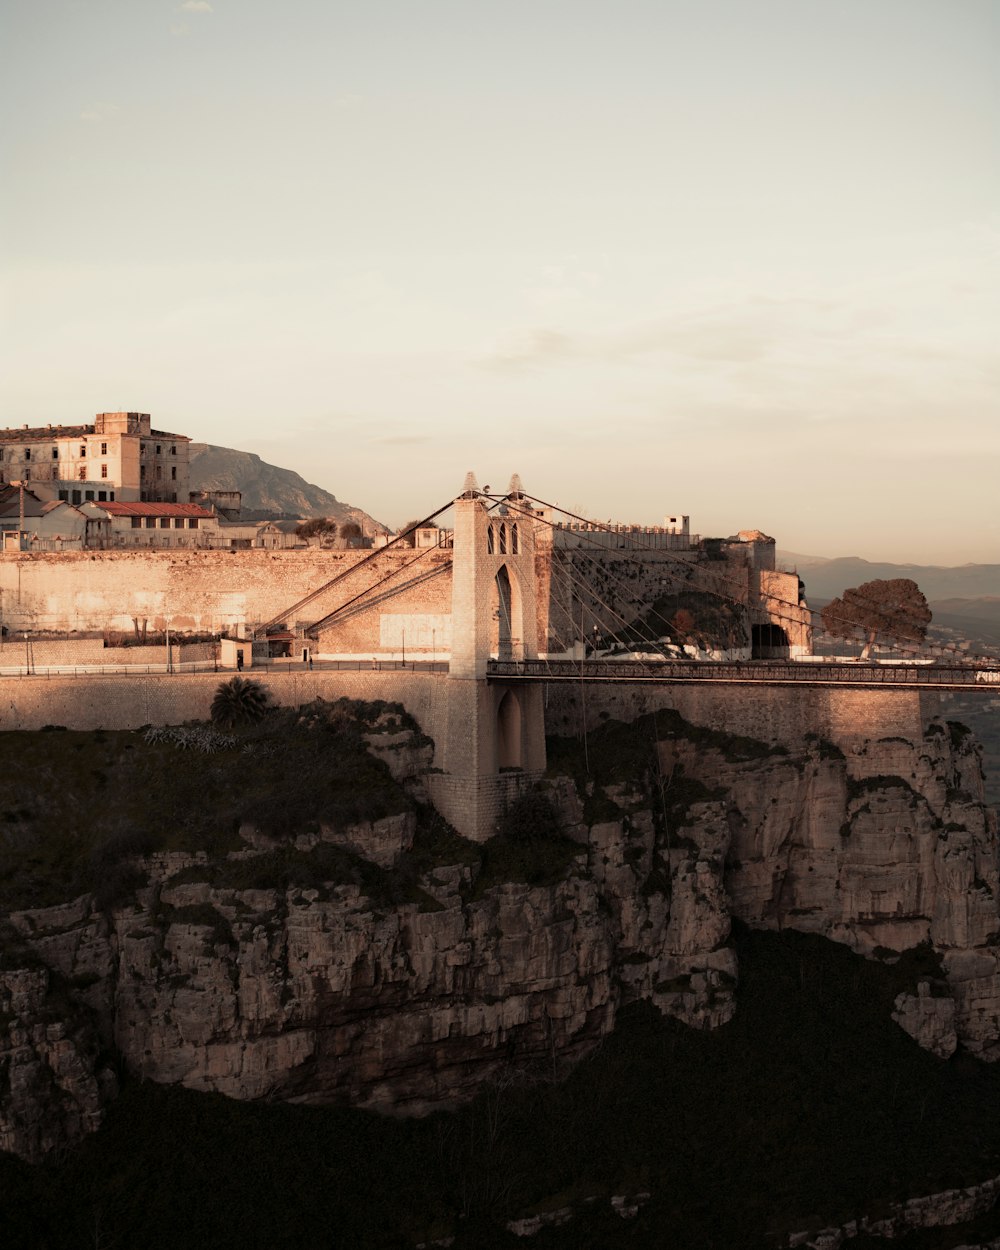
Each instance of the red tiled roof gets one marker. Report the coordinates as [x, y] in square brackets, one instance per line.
[154, 509]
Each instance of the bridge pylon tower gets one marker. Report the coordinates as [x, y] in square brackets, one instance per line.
[493, 745]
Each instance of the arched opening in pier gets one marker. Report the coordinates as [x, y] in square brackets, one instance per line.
[770, 642]
[508, 739]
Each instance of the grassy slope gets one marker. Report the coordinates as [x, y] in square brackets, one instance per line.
[70, 800]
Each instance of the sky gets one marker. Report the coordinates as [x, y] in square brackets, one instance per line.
[735, 259]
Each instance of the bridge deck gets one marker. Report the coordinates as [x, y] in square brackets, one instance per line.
[769, 672]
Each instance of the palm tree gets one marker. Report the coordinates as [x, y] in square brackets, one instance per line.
[240, 701]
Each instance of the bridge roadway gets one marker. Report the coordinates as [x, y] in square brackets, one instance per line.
[971, 678]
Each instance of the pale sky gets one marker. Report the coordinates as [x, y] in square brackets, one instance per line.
[731, 258]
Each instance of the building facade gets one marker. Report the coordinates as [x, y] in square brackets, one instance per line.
[119, 458]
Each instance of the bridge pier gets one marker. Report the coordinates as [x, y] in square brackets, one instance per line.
[491, 746]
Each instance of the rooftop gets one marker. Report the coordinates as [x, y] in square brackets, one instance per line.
[155, 509]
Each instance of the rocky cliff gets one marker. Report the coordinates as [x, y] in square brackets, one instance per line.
[389, 964]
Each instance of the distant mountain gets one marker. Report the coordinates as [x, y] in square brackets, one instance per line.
[825, 578]
[267, 490]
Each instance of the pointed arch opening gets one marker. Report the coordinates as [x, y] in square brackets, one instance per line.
[503, 538]
[508, 736]
[514, 545]
[490, 541]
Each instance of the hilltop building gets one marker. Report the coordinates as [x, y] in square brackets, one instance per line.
[118, 459]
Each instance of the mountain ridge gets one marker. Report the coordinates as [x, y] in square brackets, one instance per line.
[269, 490]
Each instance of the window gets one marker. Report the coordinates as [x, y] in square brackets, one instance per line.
[157, 448]
[173, 496]
[178, 522]
[142, 449]
[142, 472]
[111, 496]
[193, 523]
[89, 494]
[64, 496]
[173, 449]
[104, 470]
[137, 522]
[503, 539]
[102, 496]
[83, 449]
[76, 496]
[55, 453]
[159, 472]
[27, 472]
[151, 522]
[27, 453]
[173, 473]
[489, 541]
[81, 474]
[164, 522]
[514, 545]
[104, 449]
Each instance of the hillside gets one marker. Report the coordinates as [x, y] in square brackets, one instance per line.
[826, 578]
[269, 491]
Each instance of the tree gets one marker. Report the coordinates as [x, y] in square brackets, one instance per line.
[240, 701]
[350, 529]
[322, 526]
[880, 611]
[408, 533]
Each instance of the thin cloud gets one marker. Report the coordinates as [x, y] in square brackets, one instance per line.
[195, 6]
[100, 111]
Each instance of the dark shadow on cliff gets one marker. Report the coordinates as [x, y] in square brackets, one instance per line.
[810, 1107]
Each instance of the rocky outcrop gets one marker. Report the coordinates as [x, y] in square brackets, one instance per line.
[946, 1209]
[339, 991]
[53, 1084]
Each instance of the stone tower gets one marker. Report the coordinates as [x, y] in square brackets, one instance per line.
[494, 745]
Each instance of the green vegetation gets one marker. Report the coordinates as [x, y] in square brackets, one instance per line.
[890, 610]
[616, 754]
[240, 701]
[810, 1107]
[693, 616]
[317, 527]
[77, 807]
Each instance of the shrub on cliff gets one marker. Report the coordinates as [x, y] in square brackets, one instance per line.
[240, 701]
[530, 818]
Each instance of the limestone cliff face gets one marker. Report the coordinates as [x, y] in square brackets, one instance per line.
[326, 993]
[885, 849]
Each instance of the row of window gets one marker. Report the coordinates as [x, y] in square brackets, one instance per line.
[76, 496]
[43, 475]
[163, 522]
[26, 454]
[159, 472]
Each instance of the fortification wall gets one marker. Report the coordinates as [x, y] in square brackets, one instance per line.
[205, 591]
[783, 715]
[126, 702]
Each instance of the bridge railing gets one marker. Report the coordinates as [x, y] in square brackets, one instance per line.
[768, 671]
